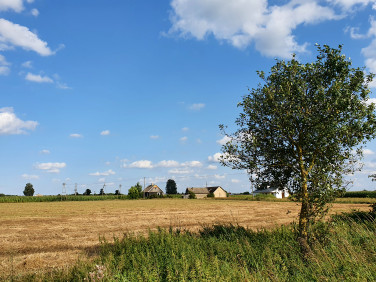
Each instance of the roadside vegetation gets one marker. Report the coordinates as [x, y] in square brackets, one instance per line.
[344, 249]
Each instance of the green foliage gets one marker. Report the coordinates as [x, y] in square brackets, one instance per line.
[210, 195]
[135, 192]
[360, 194]
[101, 192]
[303, 128]
[21, 199]
[234, 253]
[192, 195]
[117, 192]
[87, 192]
[29, 190]
[171, 187]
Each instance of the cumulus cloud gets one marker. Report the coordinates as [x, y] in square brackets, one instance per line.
[183, 139]
[38, 78]
[12, 34]
[196, 107]
[10, 124]
[30, 176]
[242, 22]
[35, 12]
[218, 176]
[211, 167]
[369, 52]
[185, 129]
[45, 152]
[50, 167]
[76, 135]
[154, 137]
[141, 164]
[235, 180]
[169, 163]
[215, 158]
[105, 132]
[349, 4]
[105, 173]
[224, 140]
[15, 5]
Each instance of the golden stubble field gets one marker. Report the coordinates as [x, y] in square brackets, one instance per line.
[43, 236]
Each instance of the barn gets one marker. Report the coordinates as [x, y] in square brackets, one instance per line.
[152, 190]
[278, 193]
[200, 193]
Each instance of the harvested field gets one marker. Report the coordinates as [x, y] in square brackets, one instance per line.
[42, 236]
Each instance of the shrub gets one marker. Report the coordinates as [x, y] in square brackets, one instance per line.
[192, 195]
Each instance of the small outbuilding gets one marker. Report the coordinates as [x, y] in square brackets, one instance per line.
[152, 190]
[278, 193]
[200, 193]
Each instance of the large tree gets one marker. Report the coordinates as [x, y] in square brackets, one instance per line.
[303, 128]
[171, 187]
[29, 190]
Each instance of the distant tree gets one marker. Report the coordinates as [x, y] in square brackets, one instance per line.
[29, 190]
[171, 187]
[135, 192]
[101, 192]
[117, 192]
[87, 192]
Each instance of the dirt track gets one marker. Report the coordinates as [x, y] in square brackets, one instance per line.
[41, 236]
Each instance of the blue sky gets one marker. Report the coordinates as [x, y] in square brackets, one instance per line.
[96, 92]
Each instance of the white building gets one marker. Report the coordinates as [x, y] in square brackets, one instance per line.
[279, 194]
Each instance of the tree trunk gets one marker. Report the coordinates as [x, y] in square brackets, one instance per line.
[304, 218]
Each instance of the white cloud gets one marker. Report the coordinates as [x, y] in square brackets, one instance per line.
[215, 158]
[154, 137]
[196, 107]
[105, 173]
[50, 167]
[10, 124]
[368, 152]
[12, 34]
[212, 167]
[183, 139]
[45, 152]
[4, 66]
[27, 64]
[192, 164]
[199, 141]
[348, 5]
[185, 129]
[76, 135]
[169, 163]
[235, 180]
[224, 140]
[141, 164]
[30, 176]
[15, 5]
[217, 176]
[180, 171]
[61, 85]
[371, 101]
[105, 132]
[35, 12]
[242, 22]
[38, 78]
[30, 1]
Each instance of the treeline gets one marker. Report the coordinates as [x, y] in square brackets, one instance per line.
[360, 194]
[58, 198]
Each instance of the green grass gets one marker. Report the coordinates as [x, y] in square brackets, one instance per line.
[25, 199]
[360, 194]
[233, 253]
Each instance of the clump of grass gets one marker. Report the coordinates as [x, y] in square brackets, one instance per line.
[234, 253]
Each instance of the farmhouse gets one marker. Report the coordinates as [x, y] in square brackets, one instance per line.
[151, 190]
[280, 194]
[217, 191]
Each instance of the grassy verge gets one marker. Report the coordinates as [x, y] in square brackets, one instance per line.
[232, 253]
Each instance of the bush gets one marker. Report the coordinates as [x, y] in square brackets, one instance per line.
[192, 195]
[210, 195]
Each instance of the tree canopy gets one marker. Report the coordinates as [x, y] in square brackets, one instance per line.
[171, 187]
[29, 190]
[303, 128]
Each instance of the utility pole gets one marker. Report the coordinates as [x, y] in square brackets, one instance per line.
[119, 189]
[104, 185]
[63, 191]
[144, 183]
[75, 189]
